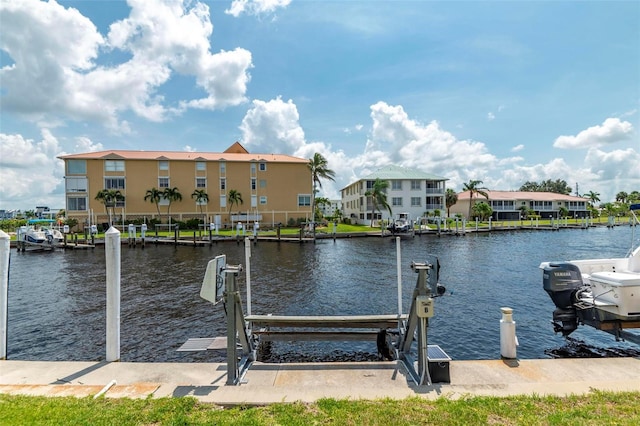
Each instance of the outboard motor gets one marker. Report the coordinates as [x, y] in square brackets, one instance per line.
[561, 281]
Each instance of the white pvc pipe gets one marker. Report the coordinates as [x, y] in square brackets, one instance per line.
[5, 252]
[112, 253]
[399, 272]
[105, 389]
[508, 339]
[247, 258]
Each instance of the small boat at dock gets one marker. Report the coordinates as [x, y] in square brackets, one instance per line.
[602, 293]
[39, 235]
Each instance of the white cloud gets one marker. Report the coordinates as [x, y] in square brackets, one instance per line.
[611, 131]
[57, 72]
[517, 148]
[255, 7]
[30, 173]
[272, 127]
[189, 148]
[491, 116]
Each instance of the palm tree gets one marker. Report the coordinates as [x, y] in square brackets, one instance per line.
[319, 170]
[593, 197]
[474, 189]
[201, 197]
[234, 198]
[154, 195]
[622, 197]
[171, 195]
[378, 194]
[109, 197]
[450, 199]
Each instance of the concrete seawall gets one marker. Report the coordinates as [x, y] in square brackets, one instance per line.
[308, 382]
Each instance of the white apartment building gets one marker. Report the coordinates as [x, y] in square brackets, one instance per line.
[410, 191]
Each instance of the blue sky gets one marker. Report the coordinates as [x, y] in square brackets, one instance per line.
[503, 92]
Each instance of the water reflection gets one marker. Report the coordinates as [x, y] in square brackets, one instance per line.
[57, 300]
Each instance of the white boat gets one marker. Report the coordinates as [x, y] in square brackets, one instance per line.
[37, 237]
[603, 293]
[402, 226]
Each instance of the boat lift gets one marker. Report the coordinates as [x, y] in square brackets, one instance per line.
[431, 365]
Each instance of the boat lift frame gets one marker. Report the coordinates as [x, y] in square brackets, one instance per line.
[220, 285]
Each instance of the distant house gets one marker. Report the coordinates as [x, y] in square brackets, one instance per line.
[508, 205]
[409, 191]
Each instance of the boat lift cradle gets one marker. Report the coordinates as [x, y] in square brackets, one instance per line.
[220, 284]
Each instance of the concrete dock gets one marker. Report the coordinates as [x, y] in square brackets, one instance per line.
[308, 382]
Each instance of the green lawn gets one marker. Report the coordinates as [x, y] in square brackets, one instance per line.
[598, 408]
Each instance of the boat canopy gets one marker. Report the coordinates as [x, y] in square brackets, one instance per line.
[34, 221]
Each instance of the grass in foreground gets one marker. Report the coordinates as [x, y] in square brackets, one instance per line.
[598, 408]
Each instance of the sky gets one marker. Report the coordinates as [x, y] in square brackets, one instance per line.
[501, 92]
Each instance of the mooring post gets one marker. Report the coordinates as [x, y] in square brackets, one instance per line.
[247, 261]
[5, 253]
[508, 339]
[112, 253]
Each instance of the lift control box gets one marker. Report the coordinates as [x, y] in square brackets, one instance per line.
[424, 306]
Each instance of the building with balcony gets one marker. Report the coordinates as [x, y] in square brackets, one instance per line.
[275, 188]
[510, 205]
[409, 191]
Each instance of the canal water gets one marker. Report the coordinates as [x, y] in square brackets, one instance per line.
[57, 300]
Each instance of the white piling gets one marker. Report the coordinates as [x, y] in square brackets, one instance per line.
[247, 261]
[399, 272]
[112, 253]
[5, 252]
[508, 339]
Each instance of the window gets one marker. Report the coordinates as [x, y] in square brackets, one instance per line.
[263, 183]
[416, 201]
[77, 203]
[201, 165]
[396, 185]
[415, 185]
[76, 184]
[223, 201]
[223, 168]
[253, 184]
[253, 168]
[263, 200]
[201, 182]
[113, 183]
[163, 165]
[396, 201]
[114, 166]
[304, 200]
[254, 201]
[263, 167]
[163, 182]
[223, 184]
[77, 167]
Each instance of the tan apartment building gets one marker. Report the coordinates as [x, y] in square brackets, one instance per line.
[275, 188]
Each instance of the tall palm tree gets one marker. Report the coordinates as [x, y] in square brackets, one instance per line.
[171, 195]
[201, 197]
[450, 199]
[319, 170]
[378, 194]
[109, 197]
[474, 188]
[593, 197]
[234, 198]
[154, 195]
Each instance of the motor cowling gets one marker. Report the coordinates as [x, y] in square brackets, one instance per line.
[561, 281]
